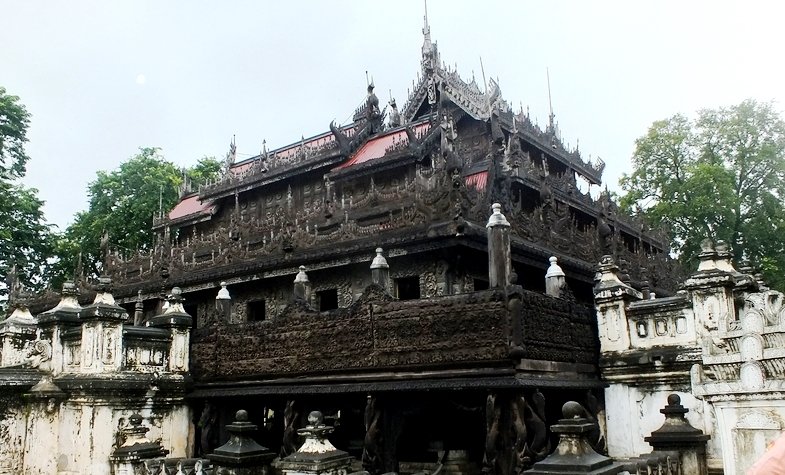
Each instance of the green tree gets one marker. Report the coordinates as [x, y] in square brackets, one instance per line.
[26, 239]
[720, 176]
[14, 121]
[122, 206]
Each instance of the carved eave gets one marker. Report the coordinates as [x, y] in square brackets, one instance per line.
[274, 176]
[322, 150]
[419, 238]
[386, 163]
[547, 143]
[188, 220]
[403, 153]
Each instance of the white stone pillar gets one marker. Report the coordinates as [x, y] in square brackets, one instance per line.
[554, 279]
[611, 296]
[179, 323]
[499, 264]
[54, 321]
[102, 332]
[16, 331]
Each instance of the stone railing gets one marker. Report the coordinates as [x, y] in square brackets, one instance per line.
[98, 338]
[661, 321]
[146, 349]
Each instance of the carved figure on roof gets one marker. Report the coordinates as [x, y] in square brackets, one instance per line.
[395, 116]
[372, 104]
[513, 153]
[448, 143]
[546, 195]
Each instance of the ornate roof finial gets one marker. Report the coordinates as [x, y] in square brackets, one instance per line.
[426, 29]
[429, 59]
[551, 116]
[230, 156]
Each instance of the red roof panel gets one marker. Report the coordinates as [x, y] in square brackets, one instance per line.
[477, 180]
[191, 205]
[377, 147]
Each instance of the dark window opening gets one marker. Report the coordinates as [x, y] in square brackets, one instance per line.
[328, 299]
[480, 284]
[191, 309]
[256, 311]
[408, 288]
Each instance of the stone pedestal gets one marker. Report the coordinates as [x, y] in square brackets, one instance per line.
[179, 323]
[574, 454]
[241, 455]
[130, 457]
[676, 434]
[317, 455]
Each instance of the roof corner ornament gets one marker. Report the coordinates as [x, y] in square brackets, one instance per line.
[415, 144]
[395, 116]
[231, 156]
[342, 140]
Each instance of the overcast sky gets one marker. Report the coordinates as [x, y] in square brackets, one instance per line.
[104, 78]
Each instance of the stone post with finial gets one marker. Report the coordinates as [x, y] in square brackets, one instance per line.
[574, 454]
[134, 448]
[302, 286]
[241, 455]
[179, 323]
[554, 279]
[16, 331]
[499, 264]
[712, 289]
[102, 331]
[223, 304]
[611, 297]
[52, 323]
[380, 270]
[317, 456]
[676, 434]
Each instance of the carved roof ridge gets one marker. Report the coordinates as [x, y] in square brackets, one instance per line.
[302, 141]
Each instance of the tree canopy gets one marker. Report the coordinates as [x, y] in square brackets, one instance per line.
[26, 240]
[721, 176]
[14, 121]
[122, 204]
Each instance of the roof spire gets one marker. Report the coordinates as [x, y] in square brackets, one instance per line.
[429, 61]
[551, 116]
[426, 29]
